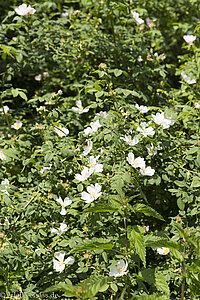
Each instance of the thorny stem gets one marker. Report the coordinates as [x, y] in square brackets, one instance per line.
[183, 272]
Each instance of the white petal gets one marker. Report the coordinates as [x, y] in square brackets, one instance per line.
[60, 255]
[63, 211]
[113, 271]
[67, 201]
[59, 200]
[70, 260]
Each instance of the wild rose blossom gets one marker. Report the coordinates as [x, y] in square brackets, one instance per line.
[80, 109]
[162, 250]
[2, 155]
[137, 18]
[129, 140]
[144, 130]
[93, 192]
[102, 114]
[44, 169]
[196, 105]
[64, 203]
[84, 174]
[160, 119]
[5, 183]
[24, 10]
[152, 150]
[17, 125]
[120, 269]
[94, 127]
[94, 165]
[59, 263]
[189, 38]
[61, 230]
[143, 109]
[147, 171]
[5, 109]
[61, 131]
[88, 148]
[138, 162]
[187, 78]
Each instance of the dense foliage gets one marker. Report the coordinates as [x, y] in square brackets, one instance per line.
[99, 149]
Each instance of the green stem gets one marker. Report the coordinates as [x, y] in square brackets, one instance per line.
[183, 272]
[126, 236]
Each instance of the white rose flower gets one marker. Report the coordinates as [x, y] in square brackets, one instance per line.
[80, 109]
[2, 155]
[97, 168]
[64, 203]
[5, 186]
[61, 230]
[24, 10]
[160, 119]
[137, 18]
[38, 77]
[162, 250]
[196, 105]
[84, 174]
[5, 109]
[102, 114]
[17, 125]
[88, 148]
[61, 131]
[187, 78]
[120, 269]
[59, 263]
[94, 127]
[138, 162]
[144, 130]
[6, 223]
[189, 38]
[131, 141]
[147, 171]
[143, 109]
[94, 192]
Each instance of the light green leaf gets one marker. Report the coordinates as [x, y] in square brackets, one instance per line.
[93, 247]
[148, 211]
[117, 72]
[138, 240]
[100, 209]
[195, 182]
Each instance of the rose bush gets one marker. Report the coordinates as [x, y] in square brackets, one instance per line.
[99, 149]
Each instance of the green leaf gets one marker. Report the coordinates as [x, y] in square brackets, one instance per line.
[138, 241]
[100, 209]
[117, 72]
[68, 288]
[181, 204]
[161, 283]
[15, 92]
[19, 57]
[80, 187]
[195, 182]
[93, 247]
[114, 287]
[148, 211]
[23, 95]
[160, 242]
